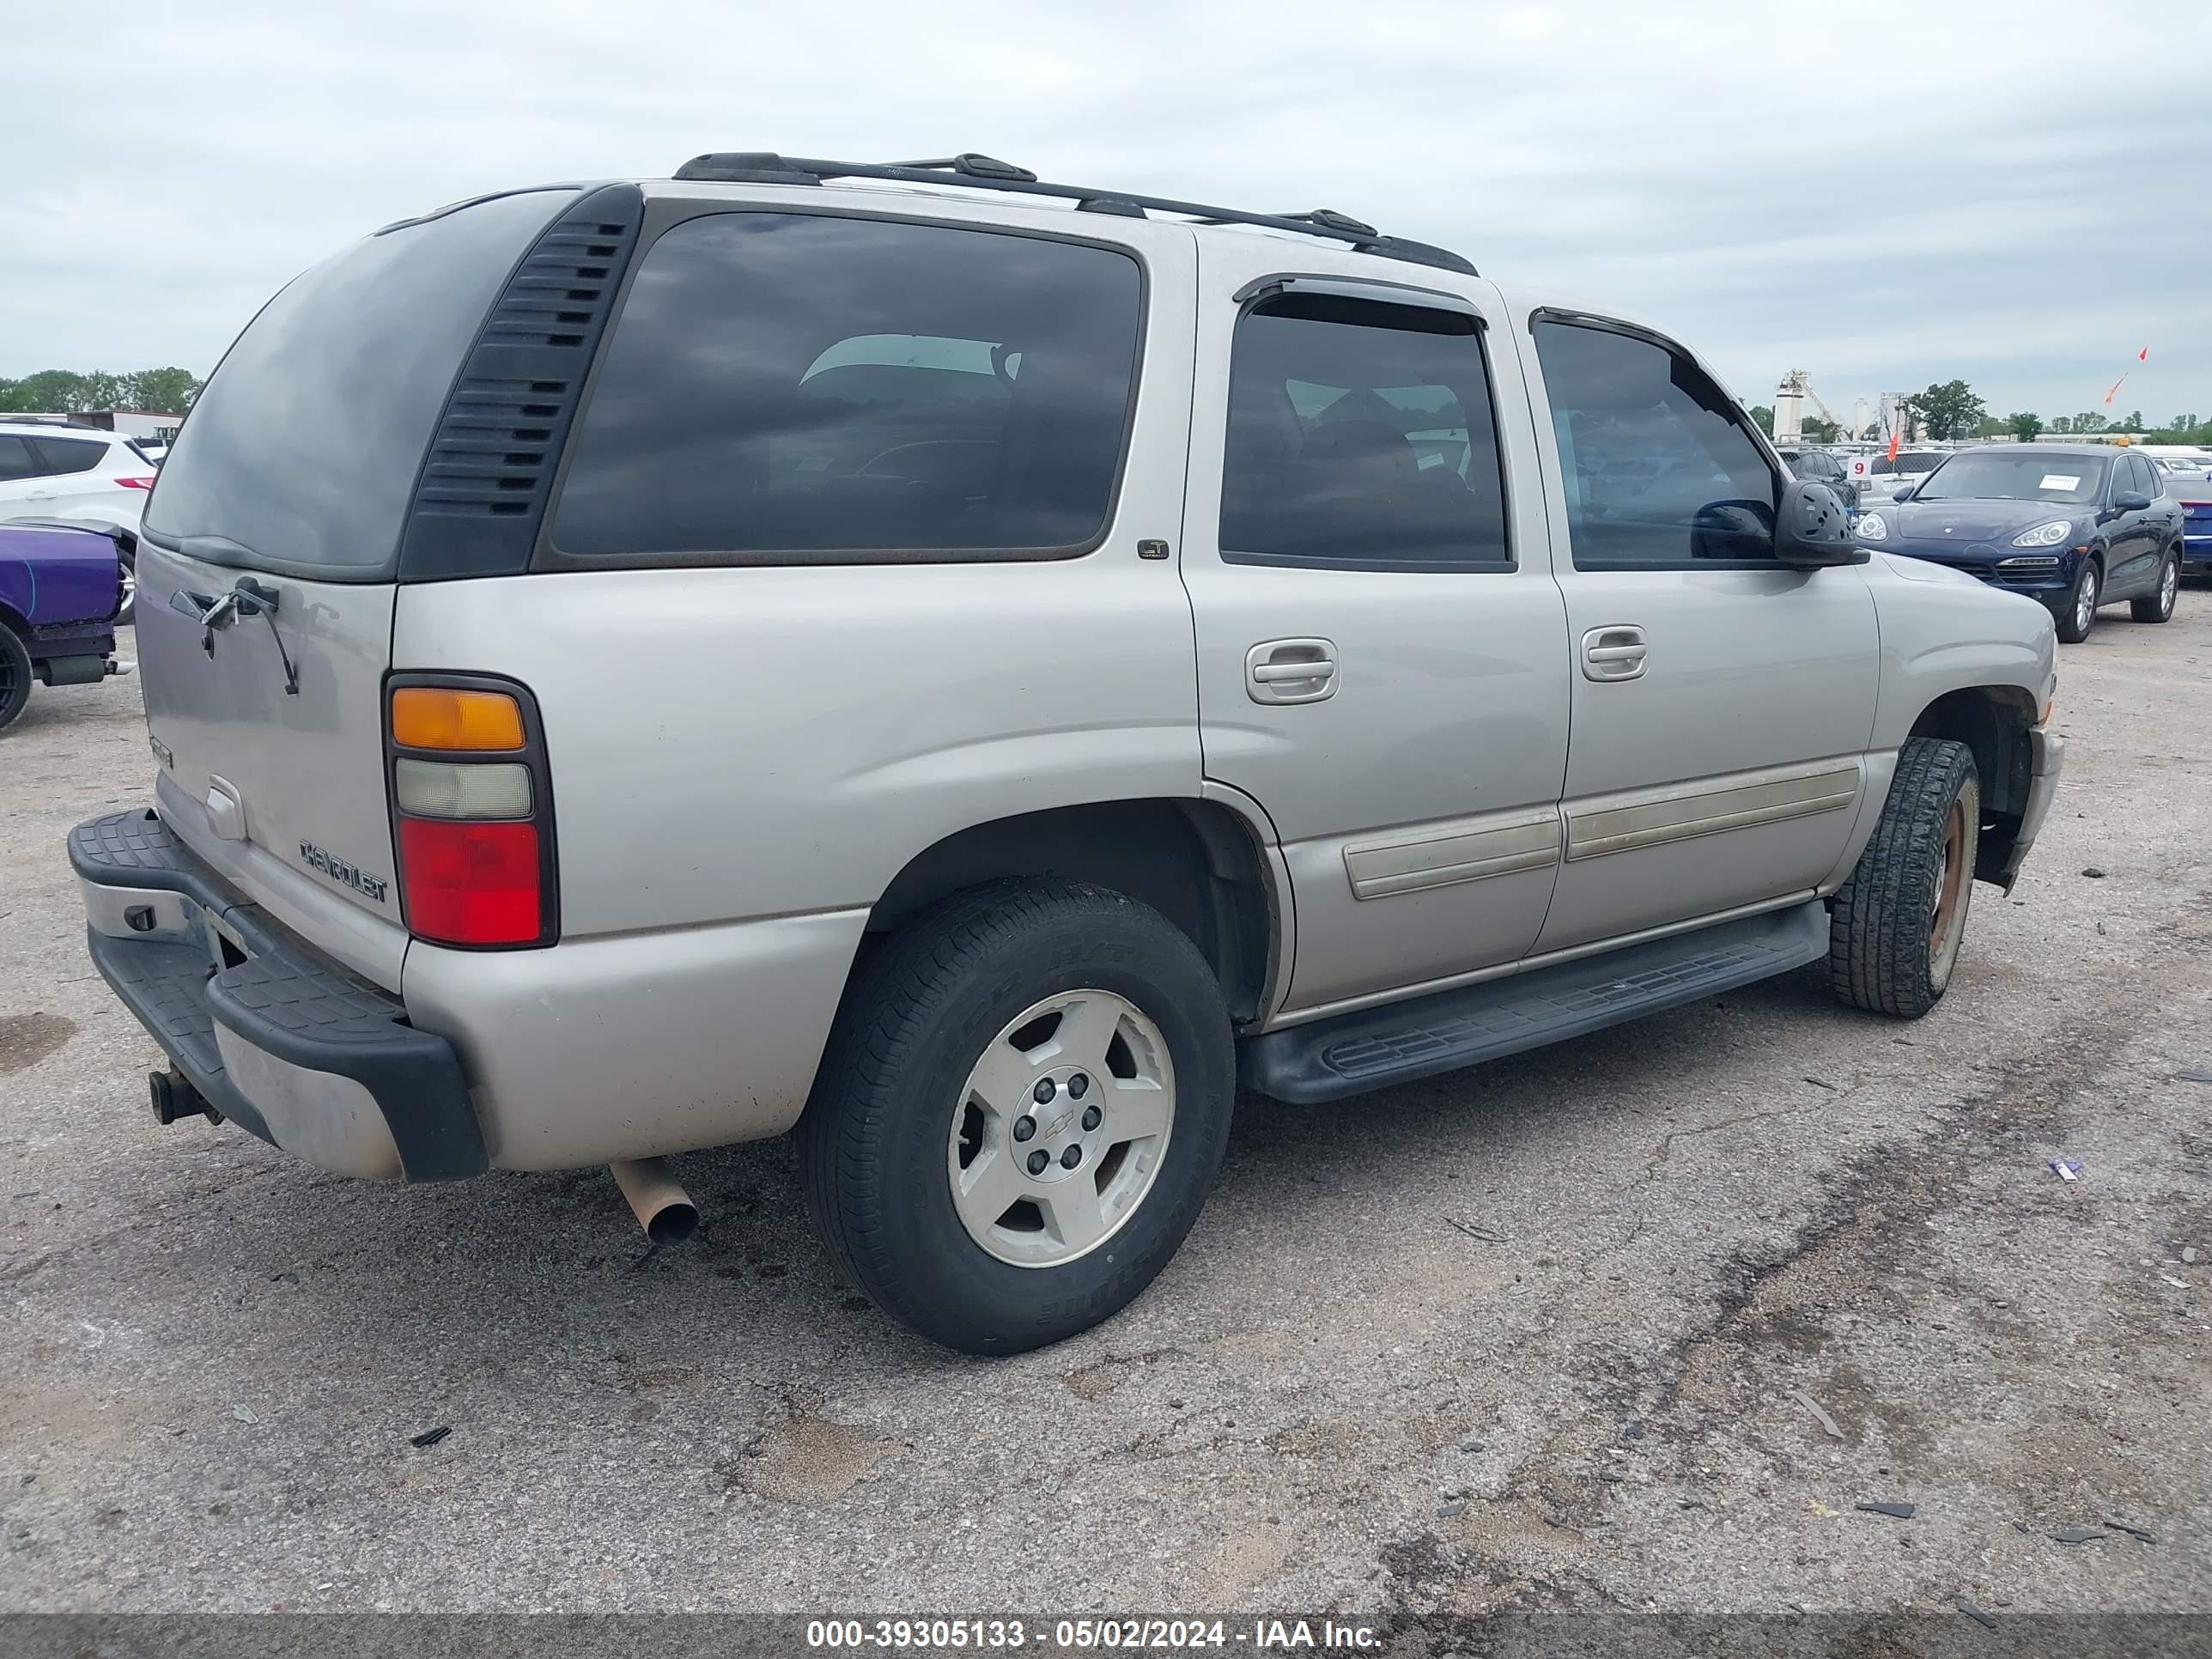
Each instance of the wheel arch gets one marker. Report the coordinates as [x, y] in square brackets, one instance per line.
[1203, 863]
[1993, 722]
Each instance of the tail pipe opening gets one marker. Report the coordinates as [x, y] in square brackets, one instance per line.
[663, 1208]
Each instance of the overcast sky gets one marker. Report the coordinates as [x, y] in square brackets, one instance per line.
[2017, 195]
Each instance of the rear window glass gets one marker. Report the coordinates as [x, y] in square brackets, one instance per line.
[16, 461]
[304, 448]
[818, 387]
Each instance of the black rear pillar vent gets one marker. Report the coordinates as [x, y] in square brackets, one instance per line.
[482, 489]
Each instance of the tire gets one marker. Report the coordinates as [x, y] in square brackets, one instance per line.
[15, 675]
[2157, 606]
[127, 616]
[2079, 614]
[901, 1138]
[1896, 925]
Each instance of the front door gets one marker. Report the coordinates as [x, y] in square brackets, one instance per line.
[2134, 539]
[1382, 652]
[1722, 703]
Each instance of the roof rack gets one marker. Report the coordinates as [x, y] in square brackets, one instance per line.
[974, 172]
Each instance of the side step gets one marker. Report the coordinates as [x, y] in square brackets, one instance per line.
[1374, 1047]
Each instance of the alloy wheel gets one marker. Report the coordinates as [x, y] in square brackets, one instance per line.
[1060, 1132]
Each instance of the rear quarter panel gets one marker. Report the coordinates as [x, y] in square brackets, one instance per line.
[742, 759]
[53, 576]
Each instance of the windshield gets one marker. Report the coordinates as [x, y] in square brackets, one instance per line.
[2072, 479]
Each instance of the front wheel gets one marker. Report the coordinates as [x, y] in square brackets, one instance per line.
[1894, 932]
[2079, 614]
[2157, 606]
[15, 674]
[1022, 1109]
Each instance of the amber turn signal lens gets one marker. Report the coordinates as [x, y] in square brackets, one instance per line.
[442, 717]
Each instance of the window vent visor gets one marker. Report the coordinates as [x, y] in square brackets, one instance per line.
[484, 482]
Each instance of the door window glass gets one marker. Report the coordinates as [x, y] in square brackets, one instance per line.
[1361, 435]
[1659, 465]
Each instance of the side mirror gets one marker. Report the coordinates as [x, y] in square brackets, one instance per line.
[2131, 500]
[1813, 528]
[1904, 495]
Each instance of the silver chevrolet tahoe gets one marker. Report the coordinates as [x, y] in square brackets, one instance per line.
[975, 671]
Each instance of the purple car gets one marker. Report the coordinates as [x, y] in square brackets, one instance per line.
[59, 591]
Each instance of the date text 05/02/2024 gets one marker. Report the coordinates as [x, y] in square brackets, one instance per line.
[1138, 1634]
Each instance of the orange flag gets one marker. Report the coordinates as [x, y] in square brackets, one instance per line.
[1895, 434]
[2116, 385]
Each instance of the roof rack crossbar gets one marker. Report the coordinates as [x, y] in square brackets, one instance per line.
[985, 172]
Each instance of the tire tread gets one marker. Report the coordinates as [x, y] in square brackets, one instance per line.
[1877, 927]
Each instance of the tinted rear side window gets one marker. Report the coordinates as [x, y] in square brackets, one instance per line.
[61, 456]
[304, 449]
[805, 386]
[1360, 435]
[16, 461]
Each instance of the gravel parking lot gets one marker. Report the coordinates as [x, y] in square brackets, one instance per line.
[1643, 1321]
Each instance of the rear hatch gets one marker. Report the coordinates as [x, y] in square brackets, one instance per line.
[297, 477]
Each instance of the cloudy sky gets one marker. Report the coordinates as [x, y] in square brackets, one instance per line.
[2017, 195]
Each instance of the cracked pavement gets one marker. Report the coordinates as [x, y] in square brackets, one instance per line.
[1533, 1336]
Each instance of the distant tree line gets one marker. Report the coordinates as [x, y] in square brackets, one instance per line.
[65, 392]
[1949, 409]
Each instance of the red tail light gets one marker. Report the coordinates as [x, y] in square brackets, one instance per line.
[146, 483]
[471, 883]
[472, 811]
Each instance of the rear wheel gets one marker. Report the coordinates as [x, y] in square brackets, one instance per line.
[2157, 606]
[126, 613]
[1894, 932]
[15, 674]
[1020, 1113]
[2079, 614]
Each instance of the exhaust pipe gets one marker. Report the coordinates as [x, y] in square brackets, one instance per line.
[663, 1208]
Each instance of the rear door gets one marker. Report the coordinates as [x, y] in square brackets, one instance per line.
[90, 477]
[1382, 652]
[296, 476]
[1722, 703]
[23, 479]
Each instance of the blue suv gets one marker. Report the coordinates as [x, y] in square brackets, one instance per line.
[2074, 525]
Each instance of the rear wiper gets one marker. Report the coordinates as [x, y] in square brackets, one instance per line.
[247, 597]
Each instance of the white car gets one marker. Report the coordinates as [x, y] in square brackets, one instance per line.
[53, 472]
[1880, 477]
[48, 470]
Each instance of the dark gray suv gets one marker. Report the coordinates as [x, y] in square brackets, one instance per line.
[1819, 466]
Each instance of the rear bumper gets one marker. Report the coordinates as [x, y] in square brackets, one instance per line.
[2047, 755]
[2197, 541]
[299, 1051]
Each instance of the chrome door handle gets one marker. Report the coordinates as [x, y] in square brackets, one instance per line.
[1291, 671]
[1614, 652]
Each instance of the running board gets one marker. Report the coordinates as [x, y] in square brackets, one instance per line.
[1374, 1047]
